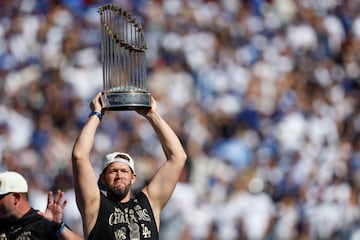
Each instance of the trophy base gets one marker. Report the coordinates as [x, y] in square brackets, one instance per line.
[122, 101]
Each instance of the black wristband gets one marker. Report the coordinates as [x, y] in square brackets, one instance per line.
[99, 115]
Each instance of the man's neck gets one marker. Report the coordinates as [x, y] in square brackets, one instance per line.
[22, 208]
[119, 198]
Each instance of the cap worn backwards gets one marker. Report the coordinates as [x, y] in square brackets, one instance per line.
[119, 157]
[12, 182]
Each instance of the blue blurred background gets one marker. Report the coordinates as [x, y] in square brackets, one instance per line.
[264, 95]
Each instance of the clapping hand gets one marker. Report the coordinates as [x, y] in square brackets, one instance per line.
[54, 208]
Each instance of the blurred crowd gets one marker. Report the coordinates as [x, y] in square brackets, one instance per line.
[264, 95]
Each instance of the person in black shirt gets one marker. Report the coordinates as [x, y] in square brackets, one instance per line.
[19, 221]
[116, 215]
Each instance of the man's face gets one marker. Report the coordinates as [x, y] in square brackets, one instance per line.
[6, 206]
[118, 179]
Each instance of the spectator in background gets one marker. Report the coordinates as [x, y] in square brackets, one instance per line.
[20, 221]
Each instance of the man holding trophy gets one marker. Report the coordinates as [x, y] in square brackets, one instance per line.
[116, 215]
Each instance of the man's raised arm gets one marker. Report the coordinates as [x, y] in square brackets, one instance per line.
[162, 185]
[85, 183]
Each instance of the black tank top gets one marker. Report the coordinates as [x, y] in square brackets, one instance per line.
[133, 220]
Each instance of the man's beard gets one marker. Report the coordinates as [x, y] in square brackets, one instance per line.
[118, 194]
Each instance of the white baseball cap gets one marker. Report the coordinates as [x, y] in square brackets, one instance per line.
[119, 157]
[12, 182]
